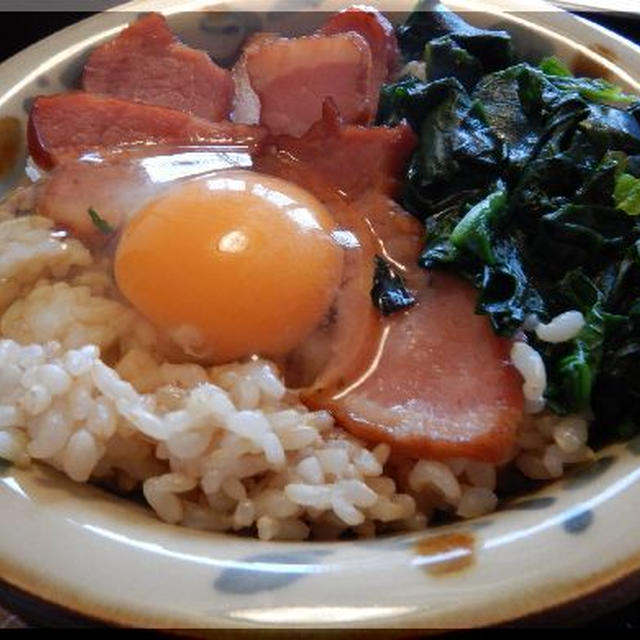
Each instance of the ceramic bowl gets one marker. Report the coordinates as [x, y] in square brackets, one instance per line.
[572, 543]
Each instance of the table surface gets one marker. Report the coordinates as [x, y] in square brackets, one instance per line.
[20, 29]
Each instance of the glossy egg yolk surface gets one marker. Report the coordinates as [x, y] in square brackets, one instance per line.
[242, 262]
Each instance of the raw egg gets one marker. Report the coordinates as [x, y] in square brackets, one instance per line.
[237, 264]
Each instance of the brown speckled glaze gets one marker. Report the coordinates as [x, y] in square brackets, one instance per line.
[446, 553]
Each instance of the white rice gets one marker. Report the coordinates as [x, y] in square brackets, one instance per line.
[476, 501]
[549, 443]
[528, 361]
[563, 327]
[531, 367]
[225, 448]
[29, 251]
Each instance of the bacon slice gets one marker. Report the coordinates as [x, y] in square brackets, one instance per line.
[348, 158]
[292, 78]
[73, 188]
[117, 183]
[147, 63]
[436, 381]
[376, 30]
[69, 124]
[432, 381]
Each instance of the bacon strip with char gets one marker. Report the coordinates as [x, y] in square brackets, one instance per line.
[117, 183]
[66, 125]
[347, 158]
[292, 78]
[147, 63]
[376, 29]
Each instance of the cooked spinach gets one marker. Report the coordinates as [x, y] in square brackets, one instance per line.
[445, 58]
[389, 293]
[476, 246]
[527, 180]
[473, 232]
[554, 67]
[626, 194]
[594, 89]
[577, 362]
[431, 20]
[458, 149]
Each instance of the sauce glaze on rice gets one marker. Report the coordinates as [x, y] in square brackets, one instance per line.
[84, 387]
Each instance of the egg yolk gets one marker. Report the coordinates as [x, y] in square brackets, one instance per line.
[241, 263]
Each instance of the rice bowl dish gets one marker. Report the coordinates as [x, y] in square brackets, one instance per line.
[93, 388]
[552, 548]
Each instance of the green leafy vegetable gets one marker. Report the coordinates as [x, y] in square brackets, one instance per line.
[100, 223]
[408, 99]
[431, 20]
[476, 246]
[591, 228]
[458, 150]
[445, 58]
[508, 293]
[389, 293]
[528, 182]
[554, 67]
[573, 374]
[626, 194]
[594, 89]
[473, 232]
[507, 113]
[608, 129]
